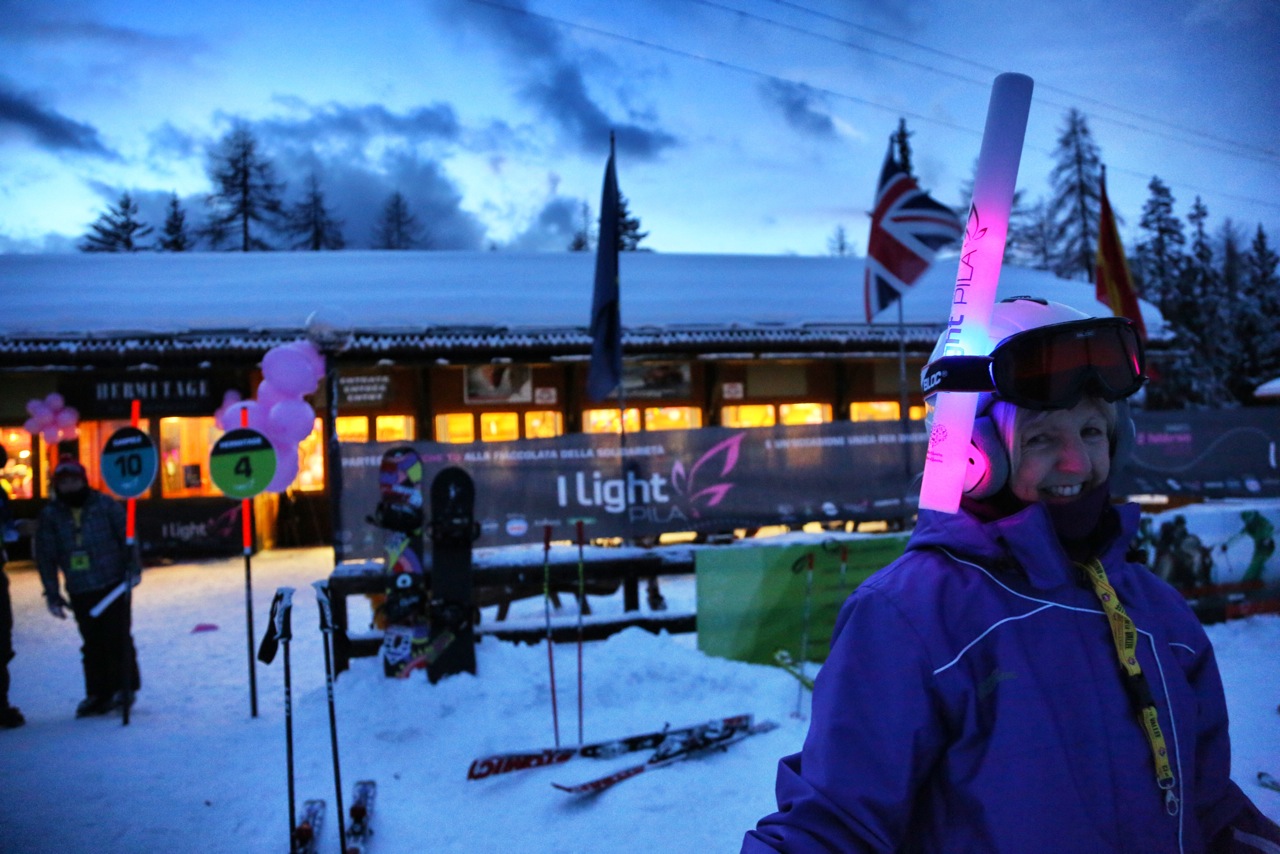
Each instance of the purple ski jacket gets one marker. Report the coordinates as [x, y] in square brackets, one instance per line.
[973, 702]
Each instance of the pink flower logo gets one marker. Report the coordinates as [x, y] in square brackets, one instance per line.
[722, 456]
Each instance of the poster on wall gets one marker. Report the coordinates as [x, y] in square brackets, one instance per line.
[499, 383]
[1205, 453]
[1230, 545]
[708, 480]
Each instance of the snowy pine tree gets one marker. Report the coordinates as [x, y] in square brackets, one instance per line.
[1075, 206]
[1259, 307]
[1201, 319]
[398, 228]
[117, 230]
[838, 243]
[1160, 250]
[629, 233]
[582, 237]
[311, 223]
[245, 191]
[175, 237]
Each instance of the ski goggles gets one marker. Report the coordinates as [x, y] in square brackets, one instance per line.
[1050, 367]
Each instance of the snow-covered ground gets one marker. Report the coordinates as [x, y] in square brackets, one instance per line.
[194, 771]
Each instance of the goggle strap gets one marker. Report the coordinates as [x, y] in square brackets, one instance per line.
[958, 373]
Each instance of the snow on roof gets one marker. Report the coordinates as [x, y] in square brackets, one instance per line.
[149, 294]
[1271, 388]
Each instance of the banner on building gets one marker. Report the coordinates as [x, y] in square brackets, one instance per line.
[1205, 453]
[707, 480]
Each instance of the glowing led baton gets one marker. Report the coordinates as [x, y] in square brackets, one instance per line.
[947, 457]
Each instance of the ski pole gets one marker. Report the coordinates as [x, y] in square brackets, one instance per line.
[582, 603]
[279, 633]
[804, 636]
[546, 608]
[326, 628]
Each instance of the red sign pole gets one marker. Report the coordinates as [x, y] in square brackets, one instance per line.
[246, 531]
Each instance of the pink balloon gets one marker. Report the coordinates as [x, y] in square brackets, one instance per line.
[67, 417]
[51, 435]
[257, 416]
[32, 426]
[313, 356]
[67, 433]
[269, 394]
[54, 401]
[286, 468]
[291, 421]
[289, 371]
[39, 410]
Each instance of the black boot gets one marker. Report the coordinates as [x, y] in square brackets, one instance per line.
[10, 717]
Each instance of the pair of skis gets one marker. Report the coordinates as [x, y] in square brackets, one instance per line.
[304, 831]
[669, 746]
[306, 835]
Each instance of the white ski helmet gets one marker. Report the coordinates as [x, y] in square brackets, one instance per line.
[1076, 355]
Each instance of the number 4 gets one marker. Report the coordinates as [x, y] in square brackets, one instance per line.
[243, 467]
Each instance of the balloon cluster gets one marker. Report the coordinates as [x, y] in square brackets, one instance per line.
[52, 419]
[289, 372]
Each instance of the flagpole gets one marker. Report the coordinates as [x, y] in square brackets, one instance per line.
[902, 412]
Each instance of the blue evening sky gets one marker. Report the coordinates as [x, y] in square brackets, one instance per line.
[743, 126]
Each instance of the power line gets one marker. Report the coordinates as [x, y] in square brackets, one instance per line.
[1267, 155]
[830, 92]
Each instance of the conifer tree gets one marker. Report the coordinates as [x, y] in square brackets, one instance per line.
[397, 228]
[581, 241]
[175, 237]
[902, 142]
[838, 242]
[1075, 205]
[245, 193]
[311, 223]
[1259, 307]
[629, 233]
[117, 229]
[1160, 251]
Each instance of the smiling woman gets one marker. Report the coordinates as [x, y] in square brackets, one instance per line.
[1015, 637]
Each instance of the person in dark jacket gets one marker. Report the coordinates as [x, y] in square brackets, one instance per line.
[82, 533]
[10, 717]
[1012, 683]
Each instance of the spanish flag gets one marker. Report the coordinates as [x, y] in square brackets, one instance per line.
[1114, 286]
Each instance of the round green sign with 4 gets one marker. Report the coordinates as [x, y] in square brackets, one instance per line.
[242, 463]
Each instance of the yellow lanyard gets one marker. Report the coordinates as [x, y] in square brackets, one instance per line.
[1124, 634]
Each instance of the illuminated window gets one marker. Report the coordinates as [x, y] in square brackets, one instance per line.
[882, 410]
[455, 427]
[394, 428]
[804, 413]
[311, 460]
[16, 476]
[184, 456]
[92, 436]
[672, 418]
[606, 421]
[748, 415]
[543, 425]
[499, 426]
[352, 428]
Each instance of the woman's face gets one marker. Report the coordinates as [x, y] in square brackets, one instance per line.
[1062, 454]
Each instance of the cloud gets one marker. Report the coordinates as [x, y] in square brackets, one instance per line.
[50, 130]
[799, 106]
[550, 77]
[553, 227]
[356, 126]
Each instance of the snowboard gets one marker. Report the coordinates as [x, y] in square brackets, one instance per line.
[453, 530]
[403, 611]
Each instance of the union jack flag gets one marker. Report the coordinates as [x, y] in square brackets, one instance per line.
[908, 227]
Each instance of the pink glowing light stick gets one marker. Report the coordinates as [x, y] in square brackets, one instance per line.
[947, 457]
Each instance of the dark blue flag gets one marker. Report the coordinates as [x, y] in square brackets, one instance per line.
[605, 372]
